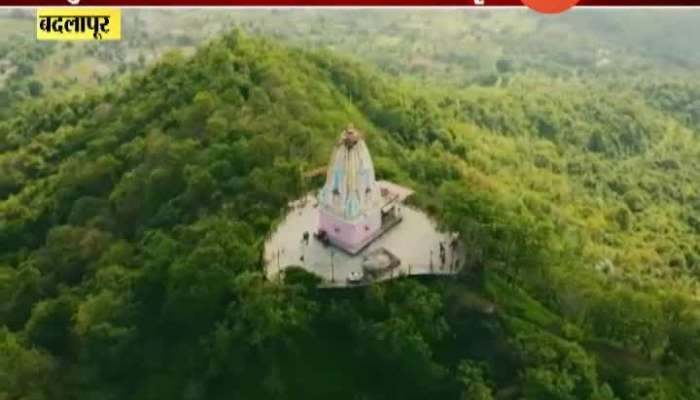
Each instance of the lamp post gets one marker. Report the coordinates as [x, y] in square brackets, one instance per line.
[332, 267]
[279, 271]
[431, 260]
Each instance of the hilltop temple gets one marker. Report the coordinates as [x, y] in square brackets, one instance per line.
[354, 209]
[357, 229]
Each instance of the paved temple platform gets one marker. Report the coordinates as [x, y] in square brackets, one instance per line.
[414, 241]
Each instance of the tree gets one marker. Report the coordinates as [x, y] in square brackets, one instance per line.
[50, 325]
[554, 368]
[596, 143]
[504, 65]
[474, 385]
[35, 88]
[25, 372]
[102, 325]
[642, 388]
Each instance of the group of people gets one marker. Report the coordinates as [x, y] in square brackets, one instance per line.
[443, 252]
[305, 241]
[443, 256]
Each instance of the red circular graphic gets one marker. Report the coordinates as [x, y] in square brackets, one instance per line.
[550, 6]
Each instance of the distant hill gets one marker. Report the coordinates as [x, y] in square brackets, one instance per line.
[456, 47]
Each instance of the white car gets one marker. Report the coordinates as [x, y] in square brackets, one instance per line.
[355, 277]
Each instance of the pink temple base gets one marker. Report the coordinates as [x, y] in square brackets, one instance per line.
[350, 236]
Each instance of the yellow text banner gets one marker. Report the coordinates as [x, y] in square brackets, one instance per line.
[78, 23]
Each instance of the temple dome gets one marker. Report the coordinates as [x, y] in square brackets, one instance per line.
[350, 189]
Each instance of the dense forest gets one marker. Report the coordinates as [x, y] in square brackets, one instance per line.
[132, 219]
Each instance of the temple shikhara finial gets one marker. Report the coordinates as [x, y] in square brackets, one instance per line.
[350, 136]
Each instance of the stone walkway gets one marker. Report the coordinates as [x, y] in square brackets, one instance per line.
[415, 241]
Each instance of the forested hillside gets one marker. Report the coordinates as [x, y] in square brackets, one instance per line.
[132, 220]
